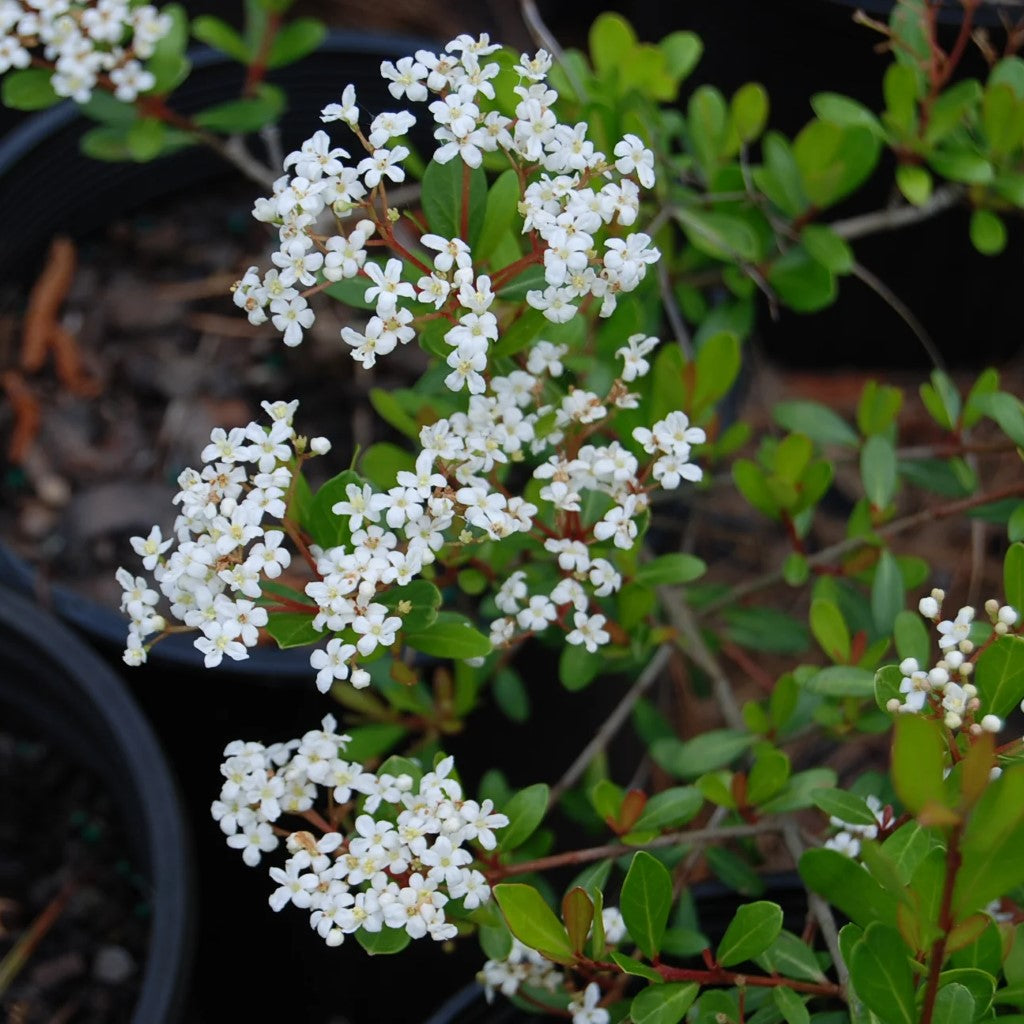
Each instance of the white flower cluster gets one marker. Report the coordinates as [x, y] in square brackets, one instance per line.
[525, 967]
[946, 687]
[211, 571]
[577, 192]
[404, 858]
[84, 42]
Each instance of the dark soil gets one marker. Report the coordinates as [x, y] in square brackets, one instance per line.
[168, 357]
[62, 859]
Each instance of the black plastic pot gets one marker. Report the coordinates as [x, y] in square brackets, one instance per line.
[58, 689]
[40, 158]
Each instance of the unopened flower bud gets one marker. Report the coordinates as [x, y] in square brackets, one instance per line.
[1008, 615]
[319, 445]
[992, 608]
[928, 607]
[893, 705]
[991, 723]
[995, 773]
[953, 720]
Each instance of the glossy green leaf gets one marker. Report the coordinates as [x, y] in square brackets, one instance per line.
[830, 629]
[911, 636]
[295, 40]
[663, 1004]
[1013, 577]
[670, 808]
[915, 182]
[888, 595]
[292, 629]
[525, 811]
[28, 89]
[766, 629]
[510, 694]
[963, 165]
[792, 1007]
[328, 528]
[687, 759]
[443, 191]
[532, 921]
[450, 635]
[842, 110]
[682, 52]
[791, 957]
[385, 942]
[846, 885]
[941, 399]
[748, 112]
[578, 667]
[954, 1004]
[800, 790]
[801, 282]
[999, 675]
[645, 902]
[828, 248]
[718, 363]
[834, 159]
[578, 915]
[611, 40]
[880, 969]
[847, 807]
[145, 139]
[878, 470]
[918, 762]
[221, 36]
[240, 116]
[500, 213]
[768, 775]
[674, 568]
[988, 232]
[168, 65]
[754, 927]
[725, 236]
[1007, 411]
[820, 423]
[637, 968]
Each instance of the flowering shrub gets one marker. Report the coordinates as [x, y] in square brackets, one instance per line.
[554, 234]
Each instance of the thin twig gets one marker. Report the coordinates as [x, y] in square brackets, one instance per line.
[896, 217]
[611, 724]
[818, 906]
[902, 310]
[691, 642]
[851, 544]
[544, 37]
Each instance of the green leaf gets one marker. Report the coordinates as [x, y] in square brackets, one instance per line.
[297, 39]
[963, 165]
[682, 52]
[941, 399]
[637, 968]
[691, 758]
[611, 40]
[912, 637]
[766, 629]
[666, 570]
[28, 89]
[847, 807]
[169, 65]
[442, 191]
[578, 915]
[1013, 577]
[801, 282]
[451, 635]
[372, 740]
[511, 695]
[1007, 411]
[725, 236]
[384, 942]
[790, 1005]
[817, 421]
[840, 109]
[145, 139]
[748, 112]
[915, 182]
[718, 363]
[791, 957]
[954, 1004]
[754, 927]
[779, 177]
[645, 901]
[328, 528]
[828, 248]
[878, 470]
[241, 116]
[293, 629]
[834, 159]
[500, 213]
[663, 1004]
[988, 232]
[800, 791]
[999, 676]
[532, 921]
[918, 762]
[382, 462]
[768, 774]
[525, 811]
[670, 808]
[390, 409]
[830, 629]
[888, 596]
[221, 36]
[846, 884]
[880, 970]
[578, 667]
